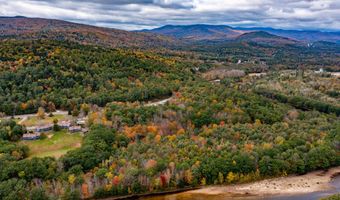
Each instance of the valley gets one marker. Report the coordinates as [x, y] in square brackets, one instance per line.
[95, 113]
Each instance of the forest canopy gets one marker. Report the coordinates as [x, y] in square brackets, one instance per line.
[224, 132]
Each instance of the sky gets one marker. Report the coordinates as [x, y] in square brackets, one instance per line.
[147, 14]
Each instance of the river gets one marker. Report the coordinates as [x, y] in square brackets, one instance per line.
[335, 183]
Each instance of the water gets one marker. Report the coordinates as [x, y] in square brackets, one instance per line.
[315, 195]
[310, 196]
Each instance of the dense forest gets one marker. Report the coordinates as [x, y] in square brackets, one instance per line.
[60, 75]
[274, 56]
[234, 131]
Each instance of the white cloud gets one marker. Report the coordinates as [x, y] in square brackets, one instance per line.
[225, 5]
[137, 14]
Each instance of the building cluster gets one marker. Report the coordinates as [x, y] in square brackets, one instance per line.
[31, 136]
[333, 74]
[257, 74]
[34, 132]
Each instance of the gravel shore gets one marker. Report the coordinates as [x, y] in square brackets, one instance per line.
[311, 182]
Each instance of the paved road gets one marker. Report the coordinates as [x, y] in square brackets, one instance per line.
[160, 102]
[60, 112]
[215, 81]
[24, 117]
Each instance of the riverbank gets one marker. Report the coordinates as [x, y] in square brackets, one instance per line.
[291, 185]
[155, 194]
[308, 183]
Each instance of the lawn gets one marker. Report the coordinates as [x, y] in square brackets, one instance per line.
[55, 145]
[15, 119]
[34, 121]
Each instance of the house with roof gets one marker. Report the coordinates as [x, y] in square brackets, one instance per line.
[31, 136]
[64, 124]
[257, 74]
[31, 129]
[44, 128]
[321, 70]
[74, 129]
[81, 121]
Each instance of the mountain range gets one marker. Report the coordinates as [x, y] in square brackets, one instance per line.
[201, 32]
[198, 32]
[38, 28]
[167, 36]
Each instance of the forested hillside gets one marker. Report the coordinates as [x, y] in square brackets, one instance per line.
[39, 28]
[208, 133]
[271, 51]
[157, 120]
[210, 44]
[42, 73]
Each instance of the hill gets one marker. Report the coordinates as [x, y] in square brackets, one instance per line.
[198, 32]
[265, 38]
[38, 28]
[66, 73]
[310, 36]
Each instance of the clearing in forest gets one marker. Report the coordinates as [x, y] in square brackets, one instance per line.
[55, 144]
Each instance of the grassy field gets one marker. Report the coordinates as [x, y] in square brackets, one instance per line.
[15, 119]
[55, 145]
[33, 121]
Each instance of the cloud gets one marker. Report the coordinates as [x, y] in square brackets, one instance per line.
[140, 14]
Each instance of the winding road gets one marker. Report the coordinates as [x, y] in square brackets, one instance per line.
[24, 117]
[160, 102]
[60, 112]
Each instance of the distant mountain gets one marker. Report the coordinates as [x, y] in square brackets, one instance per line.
[198, 32]
[12, 17]
[308, 36]
[38, 28]
[222, 32]
[20, 27]
[265, 38]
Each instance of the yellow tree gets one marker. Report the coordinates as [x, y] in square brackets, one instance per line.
[231, 177]
[71, 179]
[188, 176]
[203, 182]
[220, 178]
[41, 113]
[85, 108]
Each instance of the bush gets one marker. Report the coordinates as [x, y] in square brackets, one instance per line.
[97, 146]
[299, 102]
[71, 195]
[333, 197]
[38, 194]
